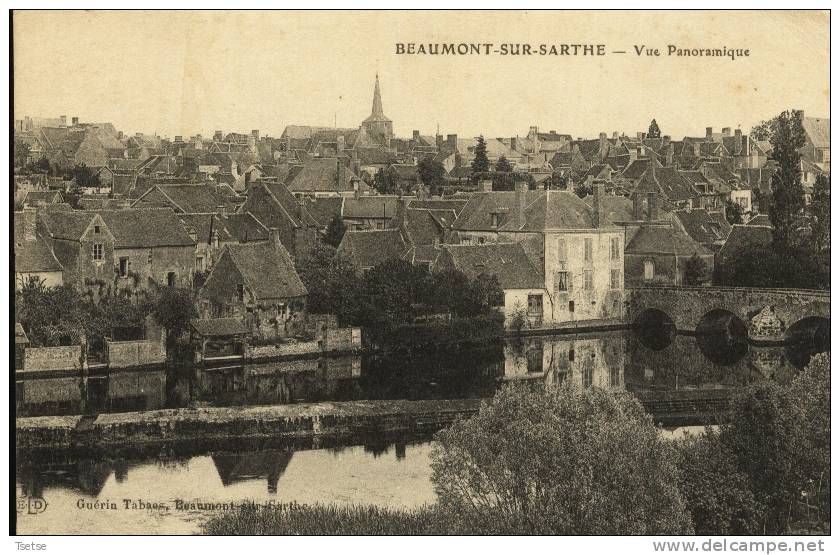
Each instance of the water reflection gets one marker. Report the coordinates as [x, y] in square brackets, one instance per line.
[652, 362]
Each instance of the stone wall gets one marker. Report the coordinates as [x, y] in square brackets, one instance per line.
[124, 354]
[341, 339]
[44, 359]
[253, 352]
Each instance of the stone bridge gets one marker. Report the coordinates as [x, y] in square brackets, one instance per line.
[768, 314]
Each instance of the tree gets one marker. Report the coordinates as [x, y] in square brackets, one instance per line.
[173, 308]
[820, 215]
[85, 176]
[503, 166]
[432, 174]
[762, 131]
[559, 460]
[382, 182]
[21, 153]
[765, 266]
[583, 190]
[335, 231]
[734, 213]
[696, 272]
[331, 281]
[480, 162]
[787, 201]
[653, 130]
[717, 494]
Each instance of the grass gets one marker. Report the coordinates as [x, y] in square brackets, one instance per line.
[325, 520]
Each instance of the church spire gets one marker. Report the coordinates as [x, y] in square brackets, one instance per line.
[377, 111]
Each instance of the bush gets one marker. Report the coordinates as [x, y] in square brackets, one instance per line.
[781, 440]
[715, 491]
[558, 460]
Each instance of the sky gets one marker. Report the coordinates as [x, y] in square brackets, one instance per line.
[181, 73]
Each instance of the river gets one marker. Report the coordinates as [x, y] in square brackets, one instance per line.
[684, 381]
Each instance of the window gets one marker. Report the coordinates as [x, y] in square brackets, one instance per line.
[124, 266]
[571, 306]
[535, 308]
[98, 252]
[562, 279]
[96, 229]
[615, 279]
[240, 291]
[199, 263]
[170, 279]
[615, 249]
[587, 250]
[587, 280]
[561, 251]
[649, 270]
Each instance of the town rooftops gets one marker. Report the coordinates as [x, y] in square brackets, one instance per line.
[239, 228]
[142, 228]
[532, 211]
[187, 197]
[818, 131]
[367, 248]
[507, 261]
[616, 208]
[33, 255]
[321, 175]
[267, 270]
[703, 226]
[657, 239]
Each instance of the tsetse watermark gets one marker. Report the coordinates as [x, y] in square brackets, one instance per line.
[739, 546]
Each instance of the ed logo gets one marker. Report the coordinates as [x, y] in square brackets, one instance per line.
[31, 505]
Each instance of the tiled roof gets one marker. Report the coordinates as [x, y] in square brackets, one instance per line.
[742, 236]
[324, 209]
[668, 182]
[143, 228]
[267, 269]
[238, 228]
[443, 204]
[320, 175]
[656, 239]
[190, 197]
[616, 208]
[369, 248]
[371, 206]
[760, 219]
[32, 256]
[704, 226]
[542, 210]
[507, 261]
[818, 131]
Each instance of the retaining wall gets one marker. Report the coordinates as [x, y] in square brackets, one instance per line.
[124, 354]
[45, 359]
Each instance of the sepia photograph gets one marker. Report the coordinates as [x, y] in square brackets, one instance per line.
[421, 273]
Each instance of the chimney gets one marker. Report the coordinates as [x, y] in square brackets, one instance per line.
[521, 197]
[726, 131]
[708, 132]
[218, 136]
[255, 133]
[120, 135]
[415, 135]
[666, 140]
[339, 174]
[638, 207]
[653, 207]
[252, 142]
[615, 134]
[669, 155]
[640, 135]
[179, 138]
[452, 141]
[30, 218]
[640, 151]
[438, 140]
[75, 120]
[215, 239]
[274, 236]
[533, 130]
[340, 144]
[738, 132]
[603, 147]
[514, 144]
[597, 208]
[63, 120]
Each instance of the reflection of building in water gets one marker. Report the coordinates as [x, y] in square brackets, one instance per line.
[49, 396]
[586, 360]
[85, 476]
[240, 467]
[136, 390]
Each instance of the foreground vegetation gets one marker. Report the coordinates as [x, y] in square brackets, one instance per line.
[560, 460]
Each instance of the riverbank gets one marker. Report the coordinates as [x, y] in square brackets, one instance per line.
[288, 421]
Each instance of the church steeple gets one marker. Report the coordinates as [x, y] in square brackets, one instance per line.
[377, 100]
[376, 112]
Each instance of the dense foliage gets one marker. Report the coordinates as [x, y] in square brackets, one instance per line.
[559, 460]
[432, 175]
[696, 272]
[335, 231]
[480, 161]
[653, 130]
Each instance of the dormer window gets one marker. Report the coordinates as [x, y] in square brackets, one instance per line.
[96, 229]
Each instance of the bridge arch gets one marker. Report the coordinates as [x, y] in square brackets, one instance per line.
[722, 336]
[654, 328]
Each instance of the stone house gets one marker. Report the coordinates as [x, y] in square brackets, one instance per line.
[120, 249]
[521, 282]
[257, 283]
[577, 251]
[211, 232]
